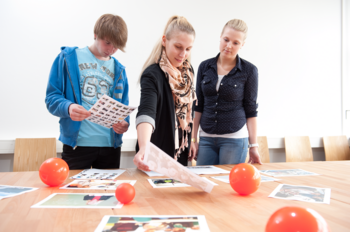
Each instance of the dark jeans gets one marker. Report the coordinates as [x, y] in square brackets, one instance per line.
[95, 157]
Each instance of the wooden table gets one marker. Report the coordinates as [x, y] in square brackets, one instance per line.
[223, 208]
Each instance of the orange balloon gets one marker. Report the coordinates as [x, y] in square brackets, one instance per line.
[244, 179]
[125, 193]
[296, 219]
[54, 171]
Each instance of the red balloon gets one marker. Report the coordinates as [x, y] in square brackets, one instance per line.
[54, 171]
[244, 179]
[125, 193]
[296, 219]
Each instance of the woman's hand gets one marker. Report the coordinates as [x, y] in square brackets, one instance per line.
[193, 151]
[254, 156]
[121, 127]
[138, 161]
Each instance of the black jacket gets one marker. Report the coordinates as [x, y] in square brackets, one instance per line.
[157, 102]
[226, 111]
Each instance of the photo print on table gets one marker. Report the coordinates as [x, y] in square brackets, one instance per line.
[98, 174]
[11, 191]
[96, 184]
[288, 172]
[141, 223]
[79, 200]
[302, 193]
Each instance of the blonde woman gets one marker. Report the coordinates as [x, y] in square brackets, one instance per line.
[167, 93]
[227, 89]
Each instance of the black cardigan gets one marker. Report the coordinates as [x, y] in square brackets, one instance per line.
[157, 102]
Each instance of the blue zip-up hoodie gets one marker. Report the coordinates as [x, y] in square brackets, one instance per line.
[63, 89]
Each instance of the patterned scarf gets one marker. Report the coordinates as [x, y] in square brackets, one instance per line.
[181, 84]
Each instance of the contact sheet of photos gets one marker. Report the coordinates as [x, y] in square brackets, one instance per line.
[108, 111]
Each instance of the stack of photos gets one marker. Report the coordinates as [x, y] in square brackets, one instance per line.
[79, 200]
[108, 111]
[170, 183]
[11, 191]
[153, 223]
[288, 172]
[97, 184]
[207, 170]
[226, 179]
[302, 193]
[98, 174]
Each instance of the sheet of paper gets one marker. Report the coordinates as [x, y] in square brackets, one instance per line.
[153, 173]
[98, 174]
[288, 172]
[143, 223]
[108, 111]
[96, 184]
[79, 200]
[169, 183]
[226, 179]
[11, 191]
[160, 162]
[207, 170]
[302, 193]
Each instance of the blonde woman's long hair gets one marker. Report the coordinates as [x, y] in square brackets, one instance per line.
[175, 23]
[238, 25]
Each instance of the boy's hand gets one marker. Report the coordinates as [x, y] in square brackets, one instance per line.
[121, 127]
[78, 112]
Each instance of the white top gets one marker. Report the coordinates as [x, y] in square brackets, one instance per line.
[242, 133]
[219, 81]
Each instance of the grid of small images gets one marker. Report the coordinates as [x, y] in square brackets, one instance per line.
[108, 111]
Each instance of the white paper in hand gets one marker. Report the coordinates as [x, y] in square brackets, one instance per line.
[160, 162]
[108, 111]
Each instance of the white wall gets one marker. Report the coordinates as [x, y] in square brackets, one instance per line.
[296, 46]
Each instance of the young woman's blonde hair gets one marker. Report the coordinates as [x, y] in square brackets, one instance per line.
[238, 25]
[175, 24]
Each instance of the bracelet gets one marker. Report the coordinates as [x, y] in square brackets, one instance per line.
[253, 145]
[193, 140]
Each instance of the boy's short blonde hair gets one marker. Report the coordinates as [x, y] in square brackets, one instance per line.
[113, 28]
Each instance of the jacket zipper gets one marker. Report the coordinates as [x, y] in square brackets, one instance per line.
[113, 94]
[75, 97]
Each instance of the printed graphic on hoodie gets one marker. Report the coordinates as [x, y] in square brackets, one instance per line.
[96, 77]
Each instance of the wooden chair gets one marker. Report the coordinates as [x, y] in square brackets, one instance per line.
[31, 153]
[336, 148]
[298, 149]
[263, 150]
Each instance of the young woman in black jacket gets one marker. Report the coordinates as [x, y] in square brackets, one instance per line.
[227, 90]
[167, 93]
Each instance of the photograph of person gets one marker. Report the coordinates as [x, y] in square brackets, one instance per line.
[144, 224]
[302, 193]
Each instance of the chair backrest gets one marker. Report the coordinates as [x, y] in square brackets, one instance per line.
[336, 148]
[298, 149]
[31, 153]
[263, 150]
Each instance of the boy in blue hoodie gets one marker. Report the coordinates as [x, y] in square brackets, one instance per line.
[78, 78]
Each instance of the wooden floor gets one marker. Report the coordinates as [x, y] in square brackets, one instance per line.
[224, 209]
